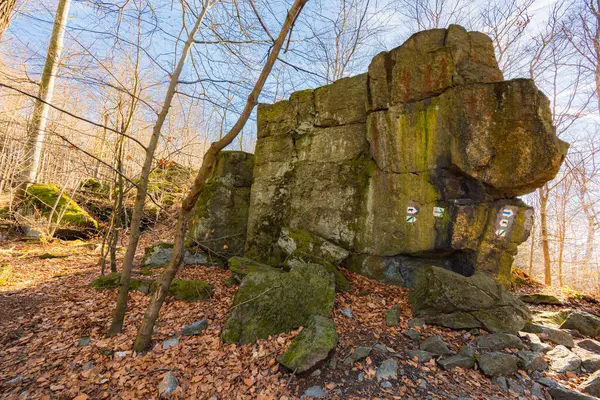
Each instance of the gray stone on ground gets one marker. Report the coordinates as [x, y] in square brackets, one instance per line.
[195, 328]
[311, 346]
[592, 384]
[416, 323]
[314, 391]
[347, 311]
[159, 255]
[540, 298]
[269, 303]
[501, 382]
[590, 344]
[499, 341]
[515, 387]
[497, 363]
[531, 361]
[392, 316]
[435, 345]
[170, 343]
[84, 341]
[413, 334]
[358, 354]
[554, 335]
[457, 360]
[536, 391]
[559, 392]
[167, 385]
[534, 343]
[455, 301]
[563, 359]
[87, 365]
[421, 355]
[590, 361]
[387, 370]
[583, 322]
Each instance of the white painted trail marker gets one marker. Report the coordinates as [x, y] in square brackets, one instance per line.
[412, 210]
[504, 223]
[411, 219]
[501, 232]
[438, 212]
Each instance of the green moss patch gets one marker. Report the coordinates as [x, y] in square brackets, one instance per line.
[44, 197]
[6, 272]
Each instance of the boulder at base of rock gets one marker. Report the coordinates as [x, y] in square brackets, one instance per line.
[387, 370]
[590, 344]
[311, 346]
[268, 303]
[586, 323]
[590, 361]
[558, 392]
[240, 267]
[540, 298]
[457, 361]
[498, 363]
[499, 341]
[195, 328]
[556, 336]
[358, 354]
[435, 345]
[592, 384]
[305, 243]
[531, 361]
[563, 359]
[159, 255]
[449, 299]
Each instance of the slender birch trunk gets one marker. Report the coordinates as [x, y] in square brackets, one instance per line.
[6, 9]
[544, 192]
[37, 127]
[142, 187]
[144, 335]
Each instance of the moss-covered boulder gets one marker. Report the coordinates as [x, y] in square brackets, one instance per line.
[6, 273]
[302, 242]
[240, 267]
[167, 182]
[44, 198]
[268, 303]
[187, 290]
[311, 346]
[221, 212]
[449, 299]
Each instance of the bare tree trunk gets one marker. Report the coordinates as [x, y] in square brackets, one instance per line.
[543, 192]
[6, 9]
[532, 250]
[37, 127]
[144, 335]
[142, 187]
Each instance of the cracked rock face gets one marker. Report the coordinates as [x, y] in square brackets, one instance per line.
[417, 162]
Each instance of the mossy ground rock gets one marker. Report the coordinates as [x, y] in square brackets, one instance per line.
[44, 198]
[268, 303]
[187, 290]
[446, 298]
[240, 267]
[311, 346]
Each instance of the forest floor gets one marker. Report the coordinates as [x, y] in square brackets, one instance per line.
[47, 307]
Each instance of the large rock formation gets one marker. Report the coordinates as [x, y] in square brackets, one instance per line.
[221, 212]
[417, 162]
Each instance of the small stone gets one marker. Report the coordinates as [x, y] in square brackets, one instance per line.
[333, 363]
[422, 383]
[120, 354]
[88, 365]
[381, 348]
[592, 384]
[347, 311]
[467, 351]
[388, 369]
[435, 345]
[195, 328]
[501, 382]
[361, 377]
[16, 380]
[536, 391]
[413, 334]
[170, 343]
[386, 384]
[515, 387]
[590, 361]
[167, 385]
[499, 341]
[456, 361]
[554, 335]
[314, 391]
[530, 361]
[416, 323]
[563, 360]
[316, 373]
[497, 363]
[534, 343]
[421, 355]
[590, 345]
[84, 341]
[358, 354]
[392, 316]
